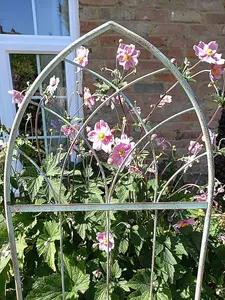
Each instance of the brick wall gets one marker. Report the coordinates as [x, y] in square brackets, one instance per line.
[173, 26]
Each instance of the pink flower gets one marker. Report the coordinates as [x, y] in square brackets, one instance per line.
[201, 198]
[82, 56]
[194, 147]
[88, 129]
[17, 97]
[104, 244]
[2, 145]
[121, 149]
[212, 136]
[165, 99]
[183, 223]
[204, 198]
[127, 56]
[115, 100]
[216, 71]
[161, 142]
[134, 170]
[101, 137]
[153, 136]
[89, 100]
[138, 109]
[207, 53]
[53, 84]
[97, 273]
[68, 130]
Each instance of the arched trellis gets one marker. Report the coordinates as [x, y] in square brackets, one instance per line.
[155, 205]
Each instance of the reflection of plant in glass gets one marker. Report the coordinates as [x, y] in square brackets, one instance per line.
[118, 160]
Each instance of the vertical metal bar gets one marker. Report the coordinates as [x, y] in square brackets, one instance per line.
[61, 256]
[13, 252]
[205, 234]
[153, 254]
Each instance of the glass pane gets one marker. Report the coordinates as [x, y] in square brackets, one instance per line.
[52, 17]
[16, 17]
[25, 69]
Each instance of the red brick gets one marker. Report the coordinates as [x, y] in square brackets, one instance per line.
[98, 2]
[186, 16]
[110, 40]
[168, 77]
[152, 15]
[214, 18]
[168, 29]
[158, 41]
[88, 13]
[116, 13]
[205, 30]
[173, 53]
[87, 26]
[182, 41]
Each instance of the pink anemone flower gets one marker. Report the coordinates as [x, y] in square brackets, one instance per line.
[216, 71]
[194, 147]
[53, 84]
[82, 56]
[212, 137]
[127, 56]
[207, 53]
[68, 130]
[183, 223]
[121, 149]
[17, 97]
[134, 170]
[104, 244]
[89, 100]
[165, 100]
[101, 137]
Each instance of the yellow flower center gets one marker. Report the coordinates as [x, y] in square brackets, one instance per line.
[209, 52]
[80, 58]
[85, 99]
[121, 152]
[184, 225]
[101, 136]
[127, 57]
[215, 70]
[105, 241]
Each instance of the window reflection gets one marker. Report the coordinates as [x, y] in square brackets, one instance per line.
[16, 17]
[52, 17]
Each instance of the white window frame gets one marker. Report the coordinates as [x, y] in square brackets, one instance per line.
[36, 44]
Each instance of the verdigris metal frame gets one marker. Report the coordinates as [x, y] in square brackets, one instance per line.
[155, 205]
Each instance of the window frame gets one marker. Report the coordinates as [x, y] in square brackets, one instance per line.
[36, 44]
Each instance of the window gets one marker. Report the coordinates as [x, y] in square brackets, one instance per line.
[32, 32]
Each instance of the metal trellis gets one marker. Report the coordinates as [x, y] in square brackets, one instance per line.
[155, 205]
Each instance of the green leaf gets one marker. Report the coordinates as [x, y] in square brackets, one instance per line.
[123, 285]
[123, 246]
[116, 271]
[20, 246]
[169, 269]
[4, 257]
[140, 281]
[168, 257]
[47, 287]
[81, 280]
[158, 248]
[46, 243]
[100, 293]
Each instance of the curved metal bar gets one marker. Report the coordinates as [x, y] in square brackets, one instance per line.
[145, 44]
